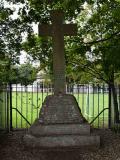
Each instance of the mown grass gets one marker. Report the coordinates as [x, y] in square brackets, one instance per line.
[29, 105]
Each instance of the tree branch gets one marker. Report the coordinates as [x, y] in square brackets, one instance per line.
[92, 71]
[104, 39]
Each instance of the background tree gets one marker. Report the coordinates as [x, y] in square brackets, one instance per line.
[40, 49]
[96, 50]
[11, 37]
[27, 74]
[24, 74]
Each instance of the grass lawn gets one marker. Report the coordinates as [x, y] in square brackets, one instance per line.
[29, 105]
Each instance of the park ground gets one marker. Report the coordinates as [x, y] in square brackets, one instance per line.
[29, 105]
[12, 148]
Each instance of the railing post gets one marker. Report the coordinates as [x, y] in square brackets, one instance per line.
[109, 103]
[42, 91]
[10, 86]
[119, 99]
[8, 109]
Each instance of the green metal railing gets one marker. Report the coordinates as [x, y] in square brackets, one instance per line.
[22, 116]
[26, 103]
[20, 106]
[98, 115]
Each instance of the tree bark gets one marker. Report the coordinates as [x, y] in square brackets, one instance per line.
[115, 102]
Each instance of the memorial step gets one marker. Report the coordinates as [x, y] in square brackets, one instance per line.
[59, 129]
[66, 141]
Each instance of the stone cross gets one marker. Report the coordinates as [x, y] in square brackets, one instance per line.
[57, 30]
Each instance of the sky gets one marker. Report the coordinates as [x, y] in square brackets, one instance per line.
[23, 57]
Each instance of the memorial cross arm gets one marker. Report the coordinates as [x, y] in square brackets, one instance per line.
[44, 30]
[68, 29]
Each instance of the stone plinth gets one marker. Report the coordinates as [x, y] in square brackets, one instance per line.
[60, 125]
[60, 109]
[63, 141]
[59, 129]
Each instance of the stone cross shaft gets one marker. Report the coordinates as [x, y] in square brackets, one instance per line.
[57, 30]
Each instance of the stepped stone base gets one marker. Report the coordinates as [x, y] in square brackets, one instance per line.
[61, 125]
[63, 141]
[58, 129]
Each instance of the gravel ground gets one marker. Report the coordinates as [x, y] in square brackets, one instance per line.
[12, 148]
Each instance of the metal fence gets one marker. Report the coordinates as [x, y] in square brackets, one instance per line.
[26, 103]
[20, 105]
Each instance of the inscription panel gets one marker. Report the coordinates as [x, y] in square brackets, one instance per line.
[60, 110]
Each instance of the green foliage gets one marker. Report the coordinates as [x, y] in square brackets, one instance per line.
[98, 42]
[26, 74]
[69, 6]
[94, 51]
[11, 34]
[98, 23]
[10, 42]
[40, 48]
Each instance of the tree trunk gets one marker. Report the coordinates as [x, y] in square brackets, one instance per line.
[115, 102]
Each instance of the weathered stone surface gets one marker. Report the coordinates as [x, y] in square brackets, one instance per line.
[69, 141]
[38, 129]
[60, 109]
[61, 125]
[58, 30]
